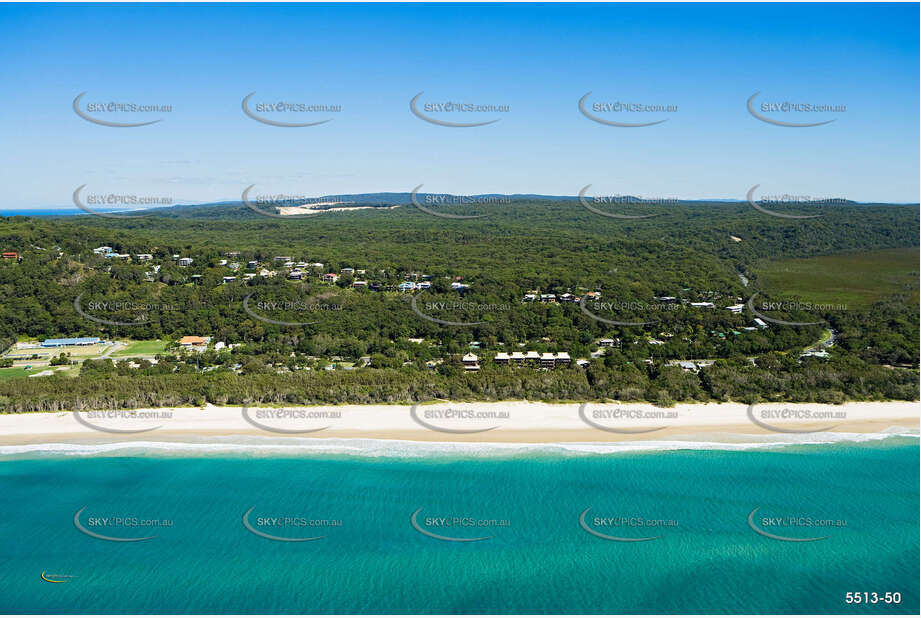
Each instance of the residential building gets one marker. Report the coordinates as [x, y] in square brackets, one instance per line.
[471, 362]
[501, 358]
[191, 340]
[330, 277]
[186, 261]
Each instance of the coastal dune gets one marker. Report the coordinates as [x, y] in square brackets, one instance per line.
[481, 422]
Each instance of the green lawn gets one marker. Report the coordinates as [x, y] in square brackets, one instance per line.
[852, 279]
[145, 348]
[20, 372]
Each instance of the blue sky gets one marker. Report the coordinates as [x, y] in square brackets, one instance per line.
[539, 60]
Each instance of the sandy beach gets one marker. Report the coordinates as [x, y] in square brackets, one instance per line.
[502, 422]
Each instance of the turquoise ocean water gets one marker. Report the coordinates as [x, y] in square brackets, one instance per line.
[537, 559]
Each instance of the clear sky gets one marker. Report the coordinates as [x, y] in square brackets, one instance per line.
[539, 60]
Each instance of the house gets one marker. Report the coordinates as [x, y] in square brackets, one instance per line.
[582, 363]
[232, 254]
[460, 287]
[547, 361]
[229, 279]
[318, 265]
[295, 275]
[59, 343]
[532, 357]
[407, 286]
[252, 264]
[567, 298]
[102, 250]
[249, 276]
[518, 358]
[608, 343]
[282, 258]
[563, 359]
[187, 261]
[330, 277]
[761, 323]
[656, 342]
[530, 298]
[548, 298]
[347, 271]
[666, 299]
[702, 305]
[144, 257]
[359, 284]
[735, 308]
[10, 255]
[815, 353]
[423, 285]
[190, 340]
[220, 345]
[501, 358]
[234, 266]
[470, 362]
[222, 262]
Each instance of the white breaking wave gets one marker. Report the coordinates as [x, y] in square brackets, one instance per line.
[271, 446]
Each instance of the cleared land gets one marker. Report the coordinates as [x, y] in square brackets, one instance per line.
[852, 279]
[142, 348]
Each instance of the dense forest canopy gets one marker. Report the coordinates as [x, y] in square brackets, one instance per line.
[479, 273]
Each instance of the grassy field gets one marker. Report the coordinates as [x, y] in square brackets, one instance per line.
[852, 279]
[142, 348]
[20, 372]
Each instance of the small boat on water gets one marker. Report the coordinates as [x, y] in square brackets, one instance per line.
[54, 579]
